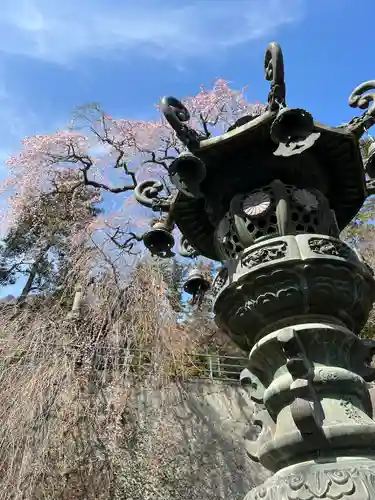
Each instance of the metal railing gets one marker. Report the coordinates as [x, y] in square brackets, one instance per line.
[217, 367]
[210, 366]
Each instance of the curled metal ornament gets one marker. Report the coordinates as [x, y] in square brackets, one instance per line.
[186, 249]
[274, 73]
[363, 98]
[175, 112]
[146, 193]
[176, 115]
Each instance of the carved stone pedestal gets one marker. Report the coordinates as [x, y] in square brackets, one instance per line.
[337, 478]
[315, 413]
[310, 382]
[297, 302]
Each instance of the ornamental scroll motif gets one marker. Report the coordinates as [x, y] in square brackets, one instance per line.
[329, 247]
[220, 280]
[177, 116]
[363, 97]
[147, 194]
[354, 483]
[187, 250]
[274, 73]
[276, 250]
[350, 410]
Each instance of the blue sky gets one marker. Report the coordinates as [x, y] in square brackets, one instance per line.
[125, 54]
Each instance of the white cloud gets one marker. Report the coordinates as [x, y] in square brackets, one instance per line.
[64, 31]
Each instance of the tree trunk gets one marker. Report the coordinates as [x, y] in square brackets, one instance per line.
[29, 283]
[32, 274]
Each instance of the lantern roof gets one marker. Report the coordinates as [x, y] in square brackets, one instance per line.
[243, 160]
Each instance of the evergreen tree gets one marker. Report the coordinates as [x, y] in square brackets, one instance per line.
[37, 244]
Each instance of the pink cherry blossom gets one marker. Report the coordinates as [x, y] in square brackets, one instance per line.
[107, 154]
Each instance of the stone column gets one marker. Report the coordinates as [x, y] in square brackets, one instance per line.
[297, 302]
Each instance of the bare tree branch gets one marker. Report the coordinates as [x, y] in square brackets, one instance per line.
[129, 242]
[164, 156]
[204, 125]
[158, 161]
[87, 164]
[100, 185]
[108, 261]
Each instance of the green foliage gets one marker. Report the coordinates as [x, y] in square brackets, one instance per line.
[361, 230]
[37, 246]
[360, 234]
[365, 145]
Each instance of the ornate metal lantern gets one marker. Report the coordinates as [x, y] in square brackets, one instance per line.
[290, 292]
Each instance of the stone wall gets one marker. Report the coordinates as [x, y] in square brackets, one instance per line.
[190, 444]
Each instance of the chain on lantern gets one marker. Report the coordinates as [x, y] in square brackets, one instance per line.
[268, 199]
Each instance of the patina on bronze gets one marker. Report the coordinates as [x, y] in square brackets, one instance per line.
[290, 292]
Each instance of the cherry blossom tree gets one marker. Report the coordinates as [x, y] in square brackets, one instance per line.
[101, 156]
[54, 186]
[150, 147]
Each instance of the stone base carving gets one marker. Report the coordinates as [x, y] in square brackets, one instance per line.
[342, 478]
[311, 398]
[292, 277]
[297, 303]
